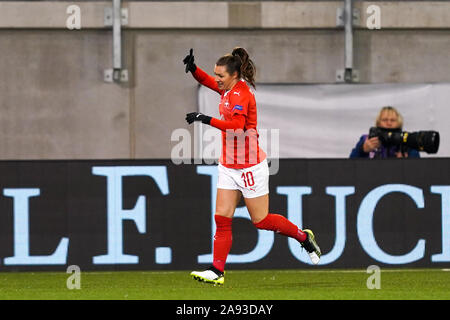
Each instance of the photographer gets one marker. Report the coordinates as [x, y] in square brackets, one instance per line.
[372, 147]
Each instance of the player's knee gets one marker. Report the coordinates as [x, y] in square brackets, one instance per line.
[224, 213]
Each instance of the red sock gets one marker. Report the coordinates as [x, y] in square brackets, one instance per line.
[279, 224]
[222, 241]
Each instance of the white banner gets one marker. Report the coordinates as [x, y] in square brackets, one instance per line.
[326, 121]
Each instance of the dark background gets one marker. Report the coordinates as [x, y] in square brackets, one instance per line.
[72, 204]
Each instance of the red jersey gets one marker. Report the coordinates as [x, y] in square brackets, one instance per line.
[240, 146]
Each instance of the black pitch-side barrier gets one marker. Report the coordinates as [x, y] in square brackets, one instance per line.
[155, 215]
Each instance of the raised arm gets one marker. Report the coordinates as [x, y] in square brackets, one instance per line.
[201, 76]
[205, 79]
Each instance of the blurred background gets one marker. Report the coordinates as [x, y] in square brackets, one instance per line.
[59, 100]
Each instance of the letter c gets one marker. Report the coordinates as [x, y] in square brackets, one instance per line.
[365, 224]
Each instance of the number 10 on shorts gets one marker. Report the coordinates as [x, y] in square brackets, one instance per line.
[248, 179]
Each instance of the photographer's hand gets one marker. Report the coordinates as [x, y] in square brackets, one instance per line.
[371, 144]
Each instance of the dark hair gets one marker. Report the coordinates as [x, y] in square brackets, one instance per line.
[240, 62]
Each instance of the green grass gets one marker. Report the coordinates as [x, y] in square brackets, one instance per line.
[399, 284]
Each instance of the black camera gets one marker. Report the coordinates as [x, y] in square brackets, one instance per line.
[427, 141]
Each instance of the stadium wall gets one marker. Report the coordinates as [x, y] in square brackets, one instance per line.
[155, 215]
[55, 104]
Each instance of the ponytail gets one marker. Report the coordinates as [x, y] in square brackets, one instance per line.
[240, 62]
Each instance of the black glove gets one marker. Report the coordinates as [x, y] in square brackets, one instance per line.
[196, 116]
[189, 62]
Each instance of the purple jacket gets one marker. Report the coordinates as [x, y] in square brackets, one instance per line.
[382, 152]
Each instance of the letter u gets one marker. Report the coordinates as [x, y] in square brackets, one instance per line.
[294, 195]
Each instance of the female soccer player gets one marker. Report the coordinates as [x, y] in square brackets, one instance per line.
[243, 168]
